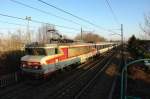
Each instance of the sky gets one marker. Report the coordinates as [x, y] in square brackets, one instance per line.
[130, 13]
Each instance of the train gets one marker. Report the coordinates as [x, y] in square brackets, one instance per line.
[41, 60]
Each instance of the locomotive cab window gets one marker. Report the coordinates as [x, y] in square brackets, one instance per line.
[35, 51]
[51, 51]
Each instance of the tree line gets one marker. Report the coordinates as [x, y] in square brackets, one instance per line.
[139, 48]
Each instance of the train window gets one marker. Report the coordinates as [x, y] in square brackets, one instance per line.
[35, 51]
[51, 51]
[99, 47]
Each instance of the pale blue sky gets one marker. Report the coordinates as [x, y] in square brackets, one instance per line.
[129, 12]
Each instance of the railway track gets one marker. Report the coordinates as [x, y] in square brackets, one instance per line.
[69, 91]
[101, 86]
[91, 83]
[110, 96]
[116, 94]
[24, 88]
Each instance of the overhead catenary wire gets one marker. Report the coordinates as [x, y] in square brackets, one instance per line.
[17, 24]
[45, 12]
[12, 23]
[112, 12]
[36, 21]
[82, 19]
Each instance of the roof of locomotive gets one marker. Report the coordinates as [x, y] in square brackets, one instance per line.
[37, 45]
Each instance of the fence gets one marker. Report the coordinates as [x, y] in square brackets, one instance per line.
[8, 79]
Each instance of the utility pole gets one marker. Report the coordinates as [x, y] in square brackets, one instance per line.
[122, 54]
[122, 44]
[28, 29]
[122, 34]
[81, 34]
[46, 33]
[51, 30]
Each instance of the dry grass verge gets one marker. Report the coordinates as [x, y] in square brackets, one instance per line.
[112, 70]
[139, 73]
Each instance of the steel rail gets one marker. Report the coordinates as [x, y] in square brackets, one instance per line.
[59, 93]
[93, 79]
[110, 96]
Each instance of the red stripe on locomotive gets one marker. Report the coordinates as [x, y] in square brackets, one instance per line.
[59, 58]
[65, 54]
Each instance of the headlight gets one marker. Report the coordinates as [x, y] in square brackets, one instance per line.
[36, 67]
[23, 65]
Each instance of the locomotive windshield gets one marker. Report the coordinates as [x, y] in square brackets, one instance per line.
[52, 51]
[35, 51]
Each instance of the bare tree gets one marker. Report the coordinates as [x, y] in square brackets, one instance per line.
[146, 26]
[47, 32]
[65, 36]
[90, 37]
[13, 41]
